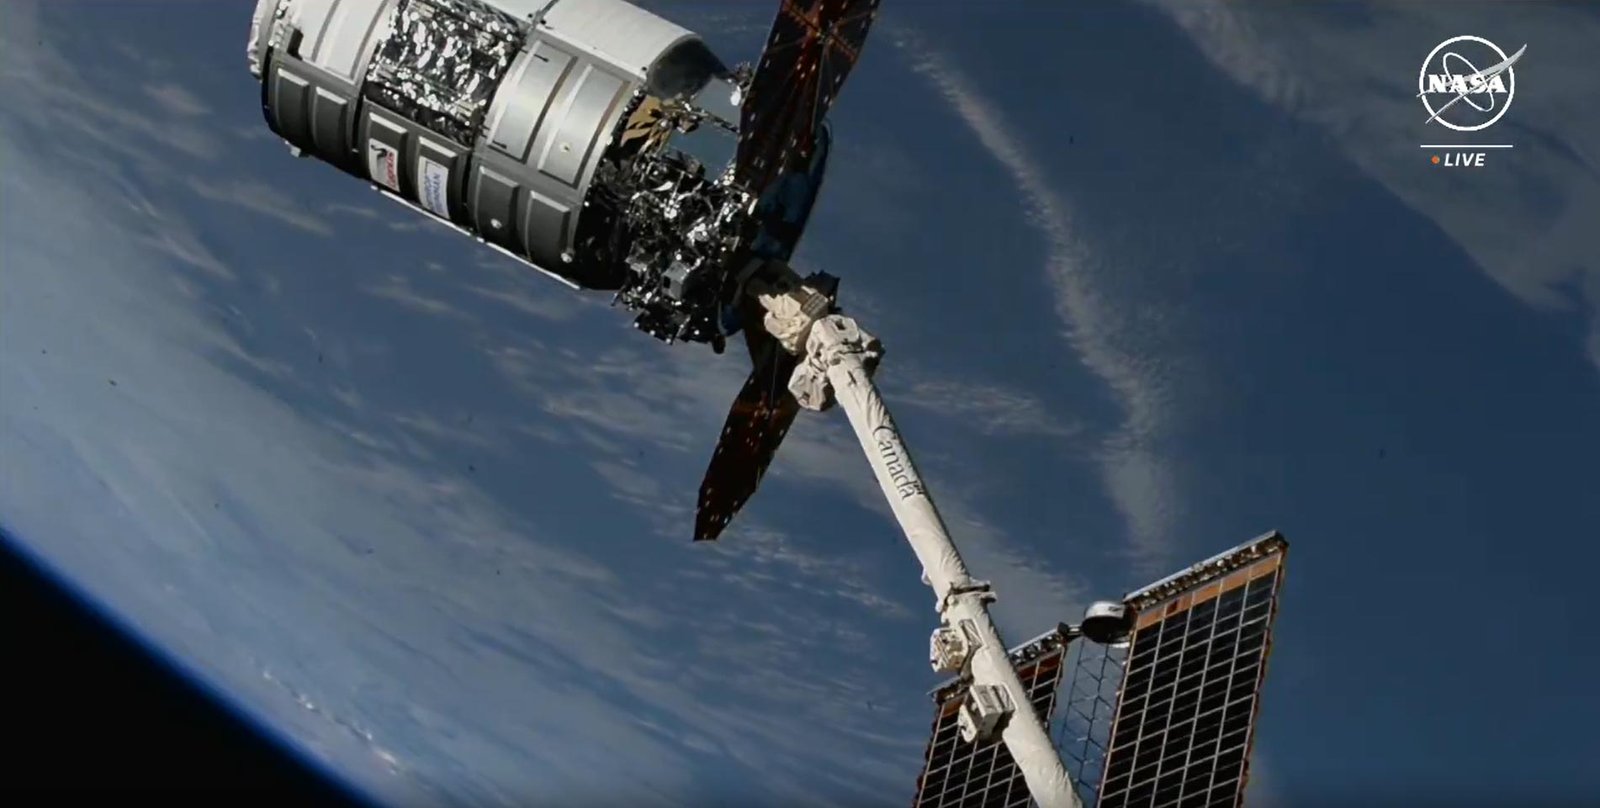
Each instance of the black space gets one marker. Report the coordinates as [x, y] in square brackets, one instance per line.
[87, 708]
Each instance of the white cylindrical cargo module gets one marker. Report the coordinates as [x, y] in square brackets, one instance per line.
[504, 118]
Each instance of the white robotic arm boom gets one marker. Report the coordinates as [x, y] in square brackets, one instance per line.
[836, 367]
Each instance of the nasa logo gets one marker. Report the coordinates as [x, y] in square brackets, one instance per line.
[1460, 95]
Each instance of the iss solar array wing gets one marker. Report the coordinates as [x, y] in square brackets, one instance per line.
[961, 774]
[1185, 717]
[756, 424]
[808, 55]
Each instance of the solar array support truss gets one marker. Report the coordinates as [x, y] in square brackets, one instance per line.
[1088, 701]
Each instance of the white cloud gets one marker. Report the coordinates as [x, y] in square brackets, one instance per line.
[186, 246]
[177, 99]
[553, 304]
[399, 289]
[1132, 464]
[164, 133]
[261, 197]
[350, 575]
[992, 409]
[674, 399]
[1531, 228]
[389, 614]
[356, 211]
[373, 585]
[53, 93]
[1262, 789]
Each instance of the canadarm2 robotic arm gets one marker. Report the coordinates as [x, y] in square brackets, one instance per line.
[837, 360]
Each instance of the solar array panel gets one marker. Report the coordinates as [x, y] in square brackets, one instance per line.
[1186, 713]
[809, 53]
[958, 774]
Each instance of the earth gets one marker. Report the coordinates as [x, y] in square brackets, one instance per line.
[1153, 279]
